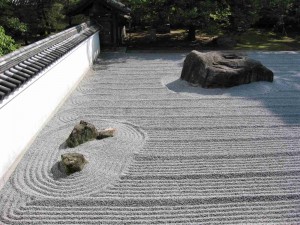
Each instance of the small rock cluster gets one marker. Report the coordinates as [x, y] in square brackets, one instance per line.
[82, 132]
[85, 131]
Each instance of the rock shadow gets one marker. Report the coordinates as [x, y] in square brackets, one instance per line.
[278, 97]
[245, 90]
[63, 146]
[57, 172]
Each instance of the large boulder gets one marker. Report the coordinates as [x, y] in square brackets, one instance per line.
[84, 132]
[218, 70]
[72, 162]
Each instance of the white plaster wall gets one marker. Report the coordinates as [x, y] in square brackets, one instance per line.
[25, 112]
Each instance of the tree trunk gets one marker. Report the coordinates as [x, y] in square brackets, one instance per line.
[41, 6]
[26, 38]
[192, 33]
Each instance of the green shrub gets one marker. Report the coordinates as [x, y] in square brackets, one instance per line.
[7, 44]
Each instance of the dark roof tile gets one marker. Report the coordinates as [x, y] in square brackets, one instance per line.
[20, 66]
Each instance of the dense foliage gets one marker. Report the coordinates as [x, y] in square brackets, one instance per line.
[228, 15]
[7, 44]
[28, 20]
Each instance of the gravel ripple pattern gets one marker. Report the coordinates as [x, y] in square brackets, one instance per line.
[181, 154]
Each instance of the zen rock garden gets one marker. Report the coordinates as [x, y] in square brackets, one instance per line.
[82, 132]
[222, 70]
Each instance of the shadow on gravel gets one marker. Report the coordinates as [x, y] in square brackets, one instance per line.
[57, 173]
[286, 107]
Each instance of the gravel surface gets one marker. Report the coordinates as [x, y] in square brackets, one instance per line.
[181, 154]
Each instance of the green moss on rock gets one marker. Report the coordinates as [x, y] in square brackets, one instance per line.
[81, 133]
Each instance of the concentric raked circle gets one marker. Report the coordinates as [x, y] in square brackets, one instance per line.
[39, 172]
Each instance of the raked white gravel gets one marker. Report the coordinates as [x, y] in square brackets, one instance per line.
[181, 155]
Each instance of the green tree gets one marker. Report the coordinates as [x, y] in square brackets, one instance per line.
[30, 20]
[33, 19]
[195, 14]
[7, 44]
[243, 14]
[10, 22]
[280, 14]
[149, 12]
[34, 13]
[190, 14]
[55, 16]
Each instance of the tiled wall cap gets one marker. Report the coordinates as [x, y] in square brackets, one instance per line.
[18, 67]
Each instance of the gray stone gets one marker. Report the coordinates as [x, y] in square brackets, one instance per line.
[81, 133]
[217, 70]
[72, 162]
[84, 132]
[109, 132]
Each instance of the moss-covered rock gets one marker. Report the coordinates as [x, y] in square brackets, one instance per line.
[84, 132]
[72, 162]
[81, 133]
